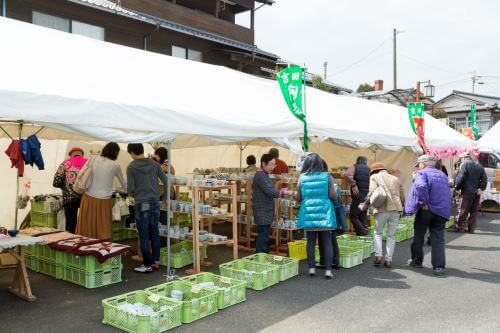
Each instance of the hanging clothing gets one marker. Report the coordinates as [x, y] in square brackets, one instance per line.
[31, 152]
[15, 156]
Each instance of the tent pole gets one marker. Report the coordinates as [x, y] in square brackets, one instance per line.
[16, 213]
[170, 276]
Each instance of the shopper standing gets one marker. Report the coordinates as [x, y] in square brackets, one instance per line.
[386, 214]
[471, 181]
[251, 164]
[281, 166]
[317, 214]
[64, 179]
[263, 205]
[430, 199]
[94, 218]
[358, 177]
[143, 175]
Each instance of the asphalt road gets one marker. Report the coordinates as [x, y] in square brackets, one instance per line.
[361, 299]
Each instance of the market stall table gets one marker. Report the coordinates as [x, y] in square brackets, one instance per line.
[20, 285]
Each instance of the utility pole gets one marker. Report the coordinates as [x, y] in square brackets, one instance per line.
[325, 70]
[395, 69]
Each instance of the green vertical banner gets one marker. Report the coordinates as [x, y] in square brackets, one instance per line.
[473, 121]
[417, 122]
[291, 81]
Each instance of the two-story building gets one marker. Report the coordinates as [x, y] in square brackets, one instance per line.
[198, 30]
[457, 106]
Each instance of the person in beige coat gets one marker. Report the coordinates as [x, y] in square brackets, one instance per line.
[388, 213]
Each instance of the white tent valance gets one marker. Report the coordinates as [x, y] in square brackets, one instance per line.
[491, 139]
[93, 88]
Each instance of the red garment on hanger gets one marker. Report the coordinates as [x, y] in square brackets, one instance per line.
[16, 157]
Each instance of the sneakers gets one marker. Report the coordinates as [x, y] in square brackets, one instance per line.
[439, 271]
[387, 264]
[414, 264]
[312, 271]
[143, 269]
[377, 261]
[328, 274]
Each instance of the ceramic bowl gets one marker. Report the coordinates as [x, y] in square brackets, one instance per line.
[13, 232]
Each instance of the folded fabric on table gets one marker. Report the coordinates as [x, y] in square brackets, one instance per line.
[84, 246]
[37, 230]
[102, 251]
[70, 245]
[59, 236]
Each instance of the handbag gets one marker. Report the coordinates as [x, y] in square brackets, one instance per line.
[379, 196]
[82, 181]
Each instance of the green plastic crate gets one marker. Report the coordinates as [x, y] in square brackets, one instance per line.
[118, 225]
[90, 264]
[129, 234]
[31, 262]
[118, 235]
[197, 303]
[39, 207]
[181, 254]
[92, 280]
[44, 252]
[167, 313]
[229, 291]
[31, 250]
[50, 268]
[43, 220]
[257, 276]
[288, 267]
[350, 258]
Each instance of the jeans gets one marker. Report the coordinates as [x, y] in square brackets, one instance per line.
[469, 208]
[71, 214]
[341, 219]
[425, 219]
[392, 220]
[335, 249]
[261, 242]
[359, 219]
[147, 216]
[325, 238]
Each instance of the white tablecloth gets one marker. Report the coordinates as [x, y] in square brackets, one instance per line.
[19, 241]
[488, 195]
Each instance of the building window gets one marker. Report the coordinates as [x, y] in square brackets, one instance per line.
[457, 123]
[483, 124]
[67, 25]
[181, 52]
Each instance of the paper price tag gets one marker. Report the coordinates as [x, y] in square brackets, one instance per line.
[154, 298]
[278, 258]
[225, 279]
[196, 289]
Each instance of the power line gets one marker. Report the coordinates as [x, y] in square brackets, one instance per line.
[428, 65]
[360, 60]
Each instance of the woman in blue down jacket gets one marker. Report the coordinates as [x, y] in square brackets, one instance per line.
[317, 214]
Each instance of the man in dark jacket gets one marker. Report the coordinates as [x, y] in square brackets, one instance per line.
[358, 177]
[471, 182]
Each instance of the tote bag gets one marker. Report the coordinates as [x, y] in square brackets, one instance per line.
[379, 196]
[82, 181]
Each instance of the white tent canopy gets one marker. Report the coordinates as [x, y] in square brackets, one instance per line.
[491, 139]
[97, 89]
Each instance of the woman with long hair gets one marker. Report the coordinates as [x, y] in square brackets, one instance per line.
[317, 214]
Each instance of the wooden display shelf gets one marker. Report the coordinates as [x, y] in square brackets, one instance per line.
[215, 216]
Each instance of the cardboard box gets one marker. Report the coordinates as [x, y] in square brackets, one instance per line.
[7, 260]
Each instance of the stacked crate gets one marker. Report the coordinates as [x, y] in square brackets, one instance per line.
[86, 271]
